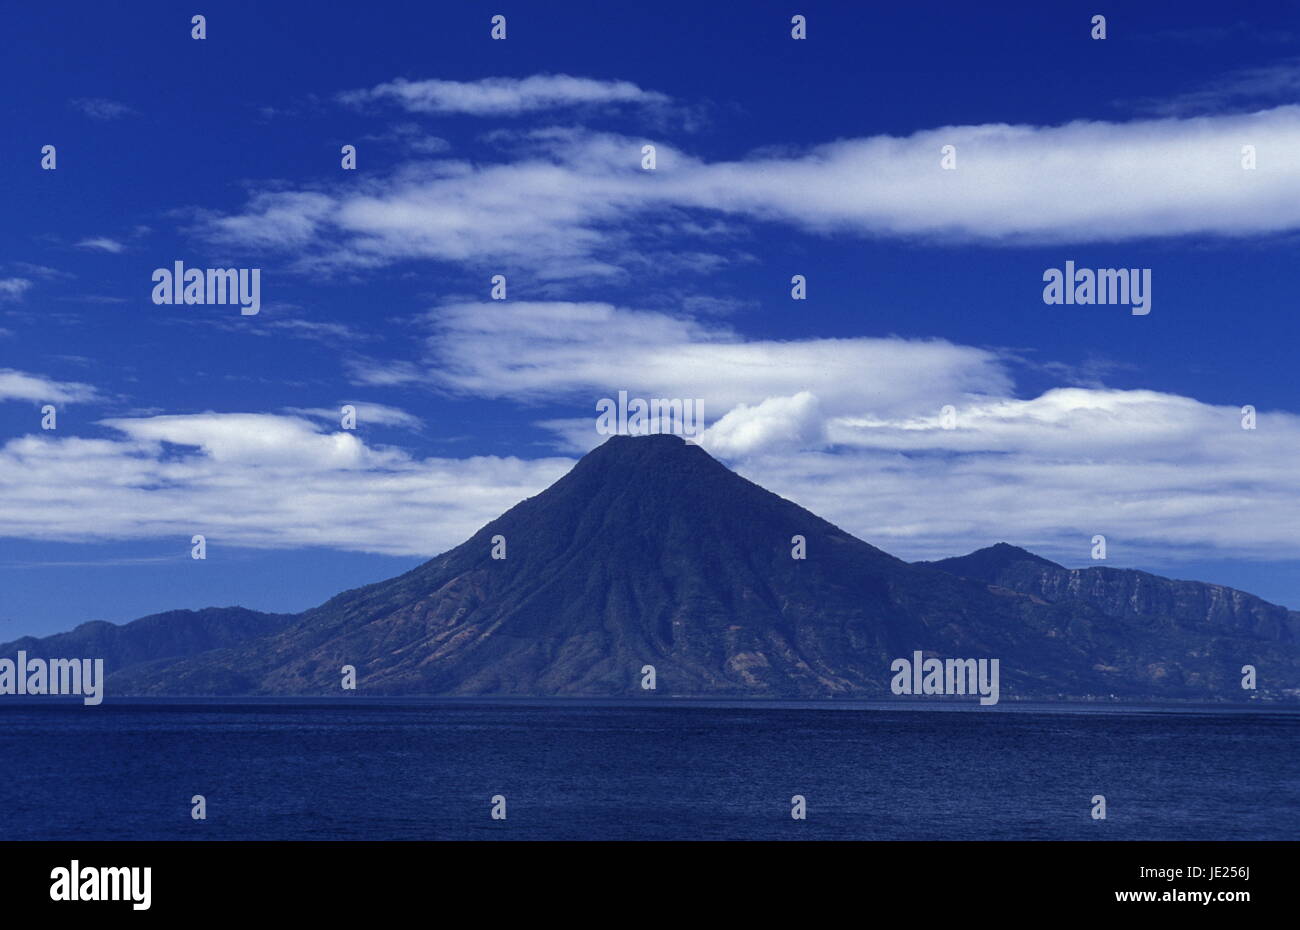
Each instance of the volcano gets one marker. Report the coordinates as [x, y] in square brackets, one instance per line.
[651, 552]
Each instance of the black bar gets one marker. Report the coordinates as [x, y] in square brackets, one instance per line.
[648, 880]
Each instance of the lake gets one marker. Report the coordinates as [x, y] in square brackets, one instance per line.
[427, 770]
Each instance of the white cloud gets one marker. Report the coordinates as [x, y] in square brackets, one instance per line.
[383, 373]
[283, 220]
[367, 413]
[333, 333]
[101, 109]
[791, 423]
[1158, 474]
[102, 244]
[1078, 182]
[41, 271]
[253, 480]
[1220, 490]
[19, 385]
[253, 438]
[503, 96]
[13, 288]
[581, 352]
[564, 208]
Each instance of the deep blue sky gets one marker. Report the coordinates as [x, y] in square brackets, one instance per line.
[157, 134]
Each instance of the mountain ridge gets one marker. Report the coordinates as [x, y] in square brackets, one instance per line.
[1127, 593]
[651, 552]
[169, 635]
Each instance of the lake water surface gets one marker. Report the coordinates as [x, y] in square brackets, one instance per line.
[421, 770]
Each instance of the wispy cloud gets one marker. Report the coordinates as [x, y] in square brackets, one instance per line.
[1219, 34]
[102, 244]
[101, 108]
[41, 271]
[12, 289]
[1247, 89]
[410, 138]
[97, 299]
[503, 96]
[19, 385]
[367, 413]
[279, 318]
